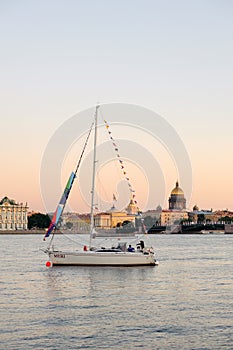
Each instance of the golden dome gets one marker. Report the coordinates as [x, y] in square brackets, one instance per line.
[177, 190]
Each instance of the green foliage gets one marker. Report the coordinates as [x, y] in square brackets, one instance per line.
[127, 223]
[200, 217]
[226, 219]
[127, 226]
[38, 220]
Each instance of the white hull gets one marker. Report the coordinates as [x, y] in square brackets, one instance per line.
[94, 258]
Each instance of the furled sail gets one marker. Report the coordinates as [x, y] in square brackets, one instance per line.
[61, 205]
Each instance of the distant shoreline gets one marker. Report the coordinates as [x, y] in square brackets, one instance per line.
[21, 232]
[42, 232]
[37, 232]
[26, 232]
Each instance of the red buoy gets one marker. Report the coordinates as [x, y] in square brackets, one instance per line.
[48, 264]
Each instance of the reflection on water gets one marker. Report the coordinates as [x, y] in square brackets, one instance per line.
[184, 303]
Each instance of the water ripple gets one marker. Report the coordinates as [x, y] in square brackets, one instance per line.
[185, 303]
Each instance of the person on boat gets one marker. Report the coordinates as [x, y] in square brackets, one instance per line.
[140, 246]
[130, 248]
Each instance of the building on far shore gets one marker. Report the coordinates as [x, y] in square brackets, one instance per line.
[176, 199]
[210, 216]
[13, 216]
[177, 208]
[203, 216]
[175, 213]
[104, 220]
[171, 217]
[76, 222]
[116, 218]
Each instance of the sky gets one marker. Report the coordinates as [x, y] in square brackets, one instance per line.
[59, 58]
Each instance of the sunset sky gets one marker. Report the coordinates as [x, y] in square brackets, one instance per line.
[59, 58]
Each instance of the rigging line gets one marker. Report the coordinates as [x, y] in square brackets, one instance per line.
[72, 177]
[84, 147]
[120, 160]
[74, 240]
[106, 126]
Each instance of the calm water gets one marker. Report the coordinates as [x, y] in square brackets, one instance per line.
[184, 303]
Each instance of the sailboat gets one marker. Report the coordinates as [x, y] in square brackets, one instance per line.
[120, 253]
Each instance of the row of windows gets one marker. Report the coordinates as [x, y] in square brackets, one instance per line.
[12, 226]
[12, 214]
[12, 209]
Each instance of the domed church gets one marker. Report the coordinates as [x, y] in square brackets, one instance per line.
[176, 199]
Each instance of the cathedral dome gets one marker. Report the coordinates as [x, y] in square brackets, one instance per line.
[177, 190]
[177, 200]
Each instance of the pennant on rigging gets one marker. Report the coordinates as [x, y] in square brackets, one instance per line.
[114, 143]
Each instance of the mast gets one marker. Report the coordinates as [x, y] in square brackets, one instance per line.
[93, 177]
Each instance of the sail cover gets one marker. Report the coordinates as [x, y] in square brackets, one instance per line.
[61, 205]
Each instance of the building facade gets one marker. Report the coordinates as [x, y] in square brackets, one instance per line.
[171, 217]
[76, 222]
[210, 216]
[13, 216]
[177, 205]
[113, 219]
[106, 220]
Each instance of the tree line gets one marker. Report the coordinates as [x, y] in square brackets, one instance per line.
[38, 221]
